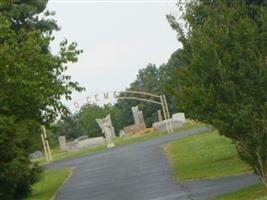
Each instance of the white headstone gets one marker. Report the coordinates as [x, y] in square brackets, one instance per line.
[179, 117]
[62, 143]
[122, 133]
[135, 112]
[137, 115]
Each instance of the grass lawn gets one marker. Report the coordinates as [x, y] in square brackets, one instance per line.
[49, 184]
[207, 155]
[256, 192]
[57, 155]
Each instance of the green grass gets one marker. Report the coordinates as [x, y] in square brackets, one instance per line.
[263, 198]
[58, 155]
[49, 184]
[122, 141]
[256, 192]
[207, 155]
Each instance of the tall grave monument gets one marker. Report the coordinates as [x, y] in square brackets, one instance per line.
[107, 128]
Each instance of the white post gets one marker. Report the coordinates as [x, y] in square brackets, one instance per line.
[164, 113]
[47, 144]
[45, 151]
[168, 113]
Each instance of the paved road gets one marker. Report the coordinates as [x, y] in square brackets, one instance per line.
[137, 172]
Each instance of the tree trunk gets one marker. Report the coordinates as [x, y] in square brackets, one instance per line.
[262, 169]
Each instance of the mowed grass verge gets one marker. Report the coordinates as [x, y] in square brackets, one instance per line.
[119, 141]
[49, 184]
[256, 192]
[207, 155]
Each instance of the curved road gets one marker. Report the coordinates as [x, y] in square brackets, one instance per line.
[138, 172]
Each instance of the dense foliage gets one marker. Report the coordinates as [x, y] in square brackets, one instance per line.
[32, 84]
[224, 81]
[153, 80]
[68, 127]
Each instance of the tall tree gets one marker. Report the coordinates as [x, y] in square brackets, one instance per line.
[32, 83]
[153, 80]
[88, 114]
[87, 119]
[68, 127]
[147, 80]
[167, 77]
[224, 81]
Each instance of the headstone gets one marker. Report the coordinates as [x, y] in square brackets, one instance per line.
[159, 115]
[36, 154]
[179, 117]
[83, 137]
[162, 126]
[141, 117]
[121, 133]
[107, 128]
[62, 143]
[80, 143]
[137, 115]
[135, 112]
[90, 142]
[132, 129]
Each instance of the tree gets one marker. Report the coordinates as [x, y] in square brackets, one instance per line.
[89, 113]
[147, 80]
[153, 80]
[87, 120]
[224, 80]
[68, 127]
[32, 83]
[167, 77]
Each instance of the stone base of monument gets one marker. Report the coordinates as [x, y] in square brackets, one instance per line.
[132, 129]
[179, 117]
[145, 131]
[162, 126]
[178, 120]
[80, 143]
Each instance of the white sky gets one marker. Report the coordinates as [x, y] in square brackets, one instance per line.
[118, 39]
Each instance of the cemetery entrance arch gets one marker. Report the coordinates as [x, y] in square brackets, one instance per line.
[130, 95]
[127, 95]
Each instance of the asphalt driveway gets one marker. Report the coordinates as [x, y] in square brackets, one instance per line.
[138, 172]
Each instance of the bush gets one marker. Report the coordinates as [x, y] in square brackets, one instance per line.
[17, 173]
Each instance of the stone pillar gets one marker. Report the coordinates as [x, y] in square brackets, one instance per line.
[62, 143]
[107, 128]
[160, 115]
[108, 137]
[111, 127]
[136, 114]
[141, 117]
[121, 133]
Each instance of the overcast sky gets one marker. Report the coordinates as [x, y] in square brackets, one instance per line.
[118, 39]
